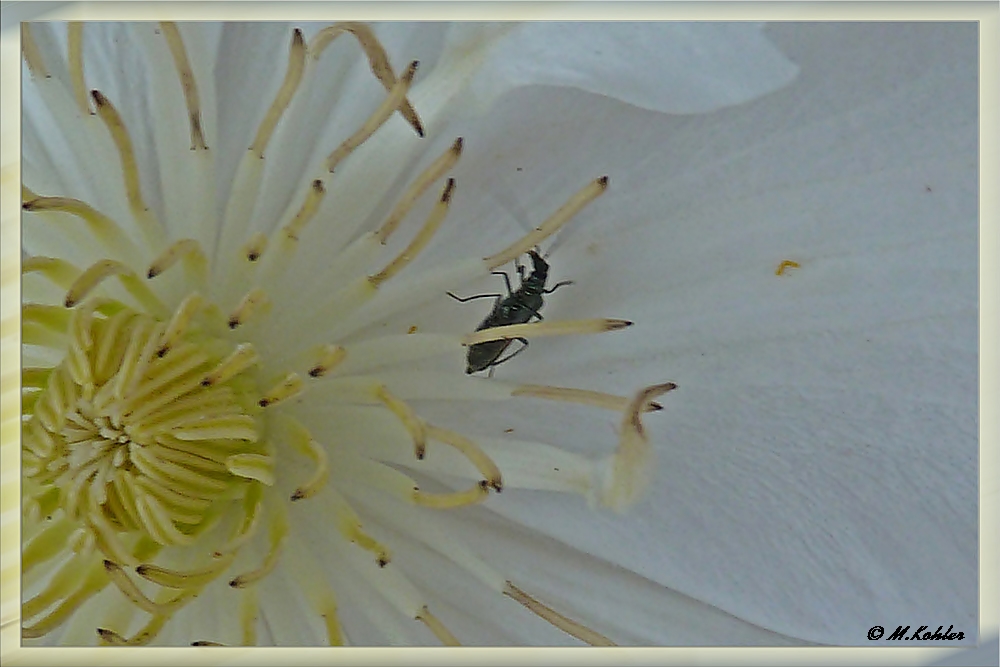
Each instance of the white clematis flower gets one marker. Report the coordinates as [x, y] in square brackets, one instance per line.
[182, 509]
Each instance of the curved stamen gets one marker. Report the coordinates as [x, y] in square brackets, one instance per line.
[320, 476]
[240, 359]
[437, 627]
[187, 249]
[60, 272]
[329, 358]
[483, 463]
[595, 399]
[567, 625]
[252, 303]
[188, 83]
[411, 422]
[306, 213]
[289, 387]
[32, 54]
[278, 535]
[179, 322]
[100, 271]
[447, 501]
[376, 120]
[592, 191]
[378, 60]
[104, 229]
[167, 578]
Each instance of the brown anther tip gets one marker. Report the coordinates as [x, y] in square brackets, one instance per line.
[458, 145]
[152, 273]
[484, 485]
[382, 561]
[446, 195]
[263, 402]
[497, 485]
[318, 185]
[654, 406]
[253, 257]
[207, 382]
[29, 205]
[162, 352]
[69, 303]
[233, 322]
[141, 569]
[110, 566]
[316, 371]
[603, 181]
[298, 495]
[235, 582]
[99, 99]
[105, 633]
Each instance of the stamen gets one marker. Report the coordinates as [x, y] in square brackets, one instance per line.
[252, 504]
[630, 466]
[187, 249]
[378, 60]
[254, 301]
[130, 169]
[420, 185]
[546, 328]
[319, 478]
[349, 526]
[567, 625]
[289, 387]
[178, 324]
[188, 83]
[786, 264]
[75, 42]
[420, 241]
[248, 616]
[446, 501]
[104, 229]
[278, 535]
[162, 576]
[411, 422]
[255, 247]
[136, 596]
[595, 399]
[437, 627]
[483, 463]
[396, 95]
[329, 358]
[588, 194]
[306, 213]
[259, 467]
[293, 76]
[106, 268]
[59, 271]
[32, 55]
[240, 359]
[94, 581]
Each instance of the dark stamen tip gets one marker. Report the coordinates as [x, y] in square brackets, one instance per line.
[603, 180]
[263, 402]
[233, 322]
[298, 495]
[152, 273]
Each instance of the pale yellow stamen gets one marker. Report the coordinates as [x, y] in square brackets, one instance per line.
[259, 467]
[252, 505]
[255, 301]
[103, 228]
[446, 501]
[420, 185]
[437, 627]
[187, 249]
[595, 399]
[293, 76]
[167, 578]
[107, 112]
[375, 121]
[483, 463]
[320, 476]
[278, 535]
[411, 422]
[377, 59]
[309, 207]
[94, 581]
[136, 596]
[567, 625]
[188, 83]
[329, 358]
[75, 40]
[289, 387]
[32, 55]
[179, 322]
[565, 213]
[786, 264]
[546, 328]
[240, 359]
[248, 616]
[60, 272]
[255, 247]
[349, 525]
[420, 241]
[100, 271]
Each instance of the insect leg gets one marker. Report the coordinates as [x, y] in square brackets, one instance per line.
[557, 286]
[524, 346]
[473, 297]
[506, 280]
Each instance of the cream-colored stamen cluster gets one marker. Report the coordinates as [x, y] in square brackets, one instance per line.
[157, 445]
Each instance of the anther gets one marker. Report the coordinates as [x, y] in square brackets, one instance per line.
[278, 536]
[255, 247]
[321, 474]
[786, 264]
[330, 357]
[179, 322]
[94, 275]
[471, 496]
[595, 399]
[254, 300]
[437, 627]
[136, 596]
[565, 213]
[291, 386]
[306, 213]
[420, 241]
[477, 457]
[240, 359]
[103, 228]
[186, 249]
[546, 328]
